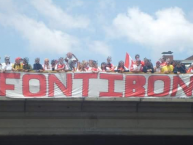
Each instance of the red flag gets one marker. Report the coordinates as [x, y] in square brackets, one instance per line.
[128, 61]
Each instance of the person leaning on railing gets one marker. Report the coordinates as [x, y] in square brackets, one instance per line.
[168, 68]
[109, 66]
[60, 67]
[157, 68]
[94, 68]
[46, 66]
[26, 66]
[104, 67]
[137, 67]
[53, 64]
[121, 67]
[148, 66]
[71, 60]
[190, 70]
[18, 65]
[179, 69]
[7, 66]
[37, 66]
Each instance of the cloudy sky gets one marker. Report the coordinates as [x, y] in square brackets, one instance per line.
[96, 29]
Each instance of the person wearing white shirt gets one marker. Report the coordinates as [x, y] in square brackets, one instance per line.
[7, 66]
[137, 67]
[71, 60]
[46, 66]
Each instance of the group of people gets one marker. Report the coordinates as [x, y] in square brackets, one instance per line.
[71, 63]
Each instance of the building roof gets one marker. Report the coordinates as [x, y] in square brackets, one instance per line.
[169, 52]
[189, 58]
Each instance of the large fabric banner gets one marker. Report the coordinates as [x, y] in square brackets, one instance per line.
[65, 85]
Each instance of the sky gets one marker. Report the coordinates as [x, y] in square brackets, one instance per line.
[95, 29]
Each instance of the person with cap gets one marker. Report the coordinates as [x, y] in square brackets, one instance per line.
[179, 69]
[18, 66]
[190, 70]
[168, 68]
[109, 65]
[121, 67]
[26, 66]
[7, 66]
[71, 60]
[148, 66]
[37, 66]
[46, 66]
[60, 67]
[137, 67]
[157, 68]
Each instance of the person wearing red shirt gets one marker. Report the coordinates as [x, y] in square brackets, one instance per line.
[190, 70]
[121, 67]
[163, 62]
[103, 67]
[109, 65]
[137, 67]
[95, 68]
[137, 57]
[60, 67]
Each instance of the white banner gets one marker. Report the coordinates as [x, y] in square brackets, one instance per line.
[65, 85]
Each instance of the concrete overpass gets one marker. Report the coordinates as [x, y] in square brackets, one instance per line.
[96, 117]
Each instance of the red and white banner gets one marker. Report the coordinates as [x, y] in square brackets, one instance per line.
[65, 85]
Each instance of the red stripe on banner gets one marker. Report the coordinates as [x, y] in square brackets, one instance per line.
[66, 90]
[3, 85]
[85, 79]
[111, 85]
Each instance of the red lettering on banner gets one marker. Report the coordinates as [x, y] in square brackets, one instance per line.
[26, 88]
[3, 85]
[178, 81]
[111, 85]
[166, 86]
[85, 79]
[54, 80]
[135, 82]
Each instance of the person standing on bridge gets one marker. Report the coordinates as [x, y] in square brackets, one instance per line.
[26, 66]
[71, 60]
[7, 66]
[179, 69]
[37, 66]
[148, 67]
[46, 66]
[94, 68]
[168, 68]
[137, 67]
[60, 67]
[109, 65]
[17, 66]
[121, 67]
[190, 70]
[157, 68]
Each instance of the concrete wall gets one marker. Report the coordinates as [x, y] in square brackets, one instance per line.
[96, 116]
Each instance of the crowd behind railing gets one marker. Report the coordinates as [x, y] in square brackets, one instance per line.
[71, 63]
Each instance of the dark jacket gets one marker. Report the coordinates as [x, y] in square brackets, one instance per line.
[179, 69]
[37, 66]
[145, 68]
